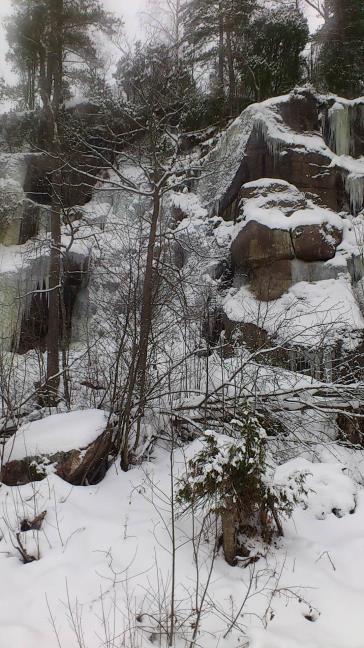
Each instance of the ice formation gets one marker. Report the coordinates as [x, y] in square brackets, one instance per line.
[340, 129]
[354, 185]
[19, 279]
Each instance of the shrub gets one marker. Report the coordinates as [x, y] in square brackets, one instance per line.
[230, 476]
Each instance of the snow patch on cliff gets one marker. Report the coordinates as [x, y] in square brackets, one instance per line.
[307, 314]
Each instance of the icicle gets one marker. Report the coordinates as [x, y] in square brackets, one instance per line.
[10, 307]
[273, 144]
[354, 185]
[34, 278]
[359, 114]
[340, 117]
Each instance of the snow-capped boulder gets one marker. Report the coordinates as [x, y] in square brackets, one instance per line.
[270, 193]
[74, 446]
[316, 242]
[257, 244]
[278, 225]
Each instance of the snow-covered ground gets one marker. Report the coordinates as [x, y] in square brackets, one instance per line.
[102, 577]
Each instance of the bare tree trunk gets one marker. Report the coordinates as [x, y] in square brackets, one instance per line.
[149, 287]
[232, 82]
[177, 30]
[229, 536]
[173, 548]
[53, 337]
[50, 66]
[221, 51]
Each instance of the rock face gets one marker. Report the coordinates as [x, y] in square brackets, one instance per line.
[296, 138]
[288, 178]
[258, 244]
[316, 242]
[271, 281]
[24, 280]
[25, 200]
[275, 177]
[272, 233]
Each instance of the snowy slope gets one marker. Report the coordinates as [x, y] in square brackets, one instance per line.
[104, 568]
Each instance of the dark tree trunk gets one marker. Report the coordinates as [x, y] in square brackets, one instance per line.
[51, 81]
[53, 337]
[221, 51]
[229, 536]
[146, 317]
[232, 82]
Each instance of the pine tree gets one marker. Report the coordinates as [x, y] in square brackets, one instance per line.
[340, 67]
[271, 63]
[155, 72]
[215, 31]
[29, 33]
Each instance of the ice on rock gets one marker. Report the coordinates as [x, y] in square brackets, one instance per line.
[340, 129]
[354, 186]
[19, 278]
[12, 176]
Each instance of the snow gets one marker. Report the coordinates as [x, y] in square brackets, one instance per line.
[306, 314]
[275, 217]
[105, 559]
[221, 166]
[104, 552]
[266, 183]
[327, 486]
[189, 204]
[59, 432]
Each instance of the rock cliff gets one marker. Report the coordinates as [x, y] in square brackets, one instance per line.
[277, 210]
[284, 193]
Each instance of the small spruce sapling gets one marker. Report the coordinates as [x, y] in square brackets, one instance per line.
[229, 476]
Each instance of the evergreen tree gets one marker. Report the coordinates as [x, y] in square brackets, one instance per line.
[215, 31]
[257, 50]
[229, 476]
[29, 33]
[340, 66]
[271, 63]
[154, 72]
